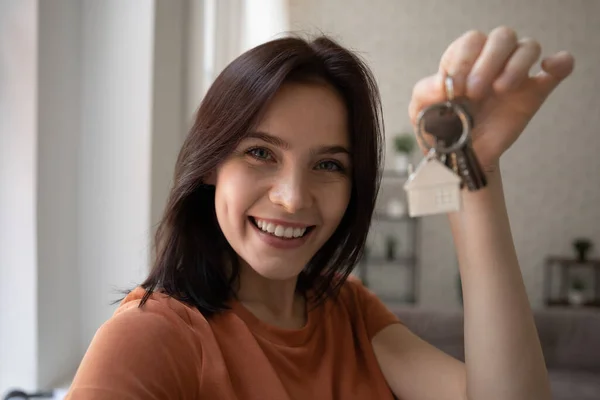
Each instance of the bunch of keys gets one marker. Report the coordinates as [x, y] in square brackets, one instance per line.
[451, 164]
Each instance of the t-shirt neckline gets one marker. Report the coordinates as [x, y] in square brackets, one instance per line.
[277, 335]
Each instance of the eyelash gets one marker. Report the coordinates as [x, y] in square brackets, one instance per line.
[252, 153]
[339, 167]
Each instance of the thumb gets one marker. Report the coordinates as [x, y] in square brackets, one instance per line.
[426, 91]
[554, 70]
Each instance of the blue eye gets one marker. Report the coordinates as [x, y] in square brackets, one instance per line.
[260, 153]
[330, 166]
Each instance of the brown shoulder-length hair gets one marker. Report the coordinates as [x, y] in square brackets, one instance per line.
[191, 251]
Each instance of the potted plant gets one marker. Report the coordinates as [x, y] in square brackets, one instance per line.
[576, 292]
[390, 248]
[582, 247]
[404, 145]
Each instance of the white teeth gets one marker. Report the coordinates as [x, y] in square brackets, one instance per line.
[289, 232]
[279, 230]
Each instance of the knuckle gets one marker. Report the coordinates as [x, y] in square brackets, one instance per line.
[463, 66]
[501, 86]
[532, 44]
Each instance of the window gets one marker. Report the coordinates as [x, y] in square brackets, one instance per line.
[443, 197]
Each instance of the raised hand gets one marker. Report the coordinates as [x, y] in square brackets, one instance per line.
[493, 73]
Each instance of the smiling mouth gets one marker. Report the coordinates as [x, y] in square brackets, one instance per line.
[281, 231]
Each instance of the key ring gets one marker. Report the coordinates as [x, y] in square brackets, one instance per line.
[457, 109]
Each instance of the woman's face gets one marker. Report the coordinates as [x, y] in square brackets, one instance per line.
[284, 190]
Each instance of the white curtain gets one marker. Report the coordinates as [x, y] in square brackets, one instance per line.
[234, 26]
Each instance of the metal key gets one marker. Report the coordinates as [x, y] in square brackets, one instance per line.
[469, 168]
[463, 159]
[445, 126]
[449, 160]
[451, 124]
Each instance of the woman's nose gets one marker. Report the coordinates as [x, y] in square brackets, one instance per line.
[292, 192]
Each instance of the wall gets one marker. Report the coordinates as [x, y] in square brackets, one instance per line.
[59, 126]
[264, 21]
[18, 191]
[169, 115]
[115, 154]
[76, 172]
[549, 203]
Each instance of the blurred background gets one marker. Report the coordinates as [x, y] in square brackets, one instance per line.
[97, 96]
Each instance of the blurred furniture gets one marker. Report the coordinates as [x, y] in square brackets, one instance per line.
[393, 277]
[21, 395]
[570, 341]
[558, 270]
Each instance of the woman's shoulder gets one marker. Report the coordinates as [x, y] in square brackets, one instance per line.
[141, 350]
[159, 305]
[161, 320]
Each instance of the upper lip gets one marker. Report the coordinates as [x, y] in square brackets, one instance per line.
[284, 223]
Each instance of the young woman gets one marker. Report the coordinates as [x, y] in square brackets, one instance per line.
[272, 200]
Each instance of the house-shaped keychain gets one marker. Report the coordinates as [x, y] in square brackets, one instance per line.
[432, 189]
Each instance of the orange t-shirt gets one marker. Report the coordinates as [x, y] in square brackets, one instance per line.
[169, 350]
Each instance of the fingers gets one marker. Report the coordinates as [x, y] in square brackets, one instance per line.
[427, 91]
[554, 69]
[459, 58]
[500, 62]
[500, 45]
[518, 66]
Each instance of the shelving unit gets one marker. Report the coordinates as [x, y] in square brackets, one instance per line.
[558, 271]
[394, 279]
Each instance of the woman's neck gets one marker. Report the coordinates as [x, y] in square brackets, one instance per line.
[274, 302]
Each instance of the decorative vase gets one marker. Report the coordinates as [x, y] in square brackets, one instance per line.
[401, 162]
[576, 297]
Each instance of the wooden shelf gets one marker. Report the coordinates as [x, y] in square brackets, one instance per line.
[565, 303]
[572, 262]
[406, 262]
[565, 265]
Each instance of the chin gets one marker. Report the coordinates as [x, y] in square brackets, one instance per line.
[282, 271]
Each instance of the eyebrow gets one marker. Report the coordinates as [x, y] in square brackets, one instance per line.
[275, 141]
